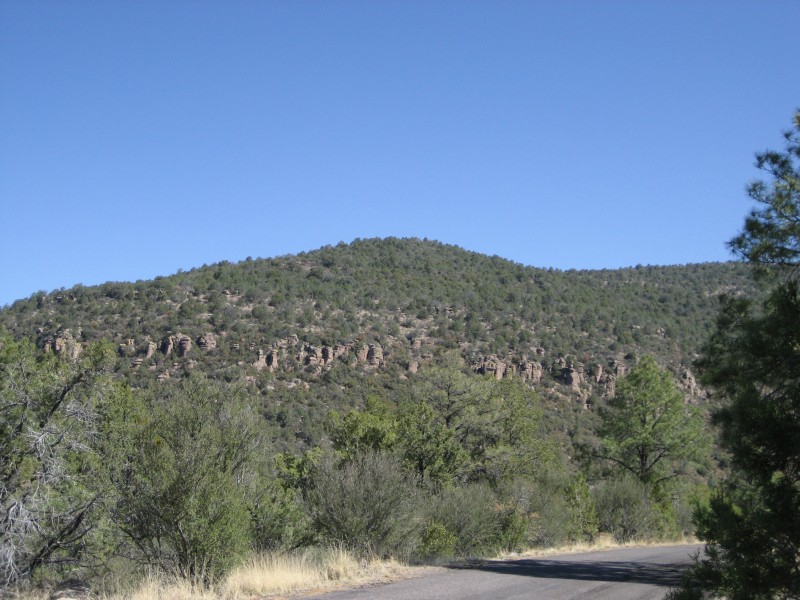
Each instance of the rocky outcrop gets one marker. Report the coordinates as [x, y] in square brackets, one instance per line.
[375, 355]
[184, 345]
[207, 342]
[327, 355]
[618, 368]
[688, 381]
[272, 359]
[64, 343]
[491, 365]
[571, 378]
[363, 353]
[128, 347]
[179, 343]
[526, 368]
[310, 356]
[261, 361]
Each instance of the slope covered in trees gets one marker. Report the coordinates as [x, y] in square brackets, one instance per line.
[315, 330]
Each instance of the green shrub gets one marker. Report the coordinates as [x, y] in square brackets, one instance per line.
[279, 520]
[549, 514]
[583, 521]
[185, 490]
[624, 510]
[368, 504]
[556, 509]
[436, 541]
[472, 515]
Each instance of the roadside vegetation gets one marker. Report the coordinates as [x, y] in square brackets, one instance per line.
[181, 483]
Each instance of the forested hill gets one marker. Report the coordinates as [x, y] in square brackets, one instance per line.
[375, 311]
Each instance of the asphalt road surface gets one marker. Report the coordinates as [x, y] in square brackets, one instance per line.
[621, 574]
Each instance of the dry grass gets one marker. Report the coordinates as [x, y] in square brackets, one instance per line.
[602, 542]
[266, 576]
[276, 575]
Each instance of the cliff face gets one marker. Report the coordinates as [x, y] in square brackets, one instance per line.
[387, 308]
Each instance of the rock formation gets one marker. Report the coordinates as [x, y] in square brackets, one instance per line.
[64, 343]
[272, 359]
[261, 361]
[530, 370]
[207, 341]
[363, 353]
[572, 378]
[375, 355]
[184, 345]
[491, 365]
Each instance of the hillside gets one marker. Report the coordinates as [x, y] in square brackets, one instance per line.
[327, 328]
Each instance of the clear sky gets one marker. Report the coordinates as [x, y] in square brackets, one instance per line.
[138, 138]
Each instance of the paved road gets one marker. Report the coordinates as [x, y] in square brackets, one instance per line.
[623, 574]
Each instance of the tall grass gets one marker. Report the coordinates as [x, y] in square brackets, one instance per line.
[270, 574]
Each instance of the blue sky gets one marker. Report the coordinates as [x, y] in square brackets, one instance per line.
[139, 138]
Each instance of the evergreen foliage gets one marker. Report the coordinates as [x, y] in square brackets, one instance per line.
[647, 429]
[752, 524]
[193, 472]
[52, 477]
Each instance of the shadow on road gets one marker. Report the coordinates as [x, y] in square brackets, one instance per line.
[667, 575]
